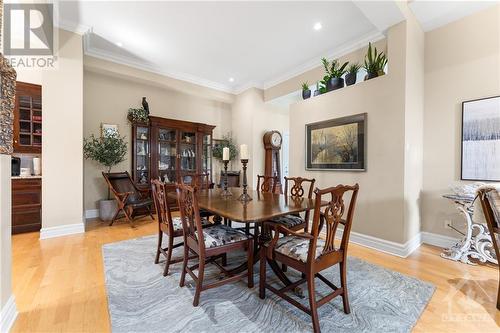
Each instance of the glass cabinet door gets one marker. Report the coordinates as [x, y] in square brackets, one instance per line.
[187, 155]
[142, 155]
[167, 155]
[206, 155]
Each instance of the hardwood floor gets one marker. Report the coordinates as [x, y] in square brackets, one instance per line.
[59, 283]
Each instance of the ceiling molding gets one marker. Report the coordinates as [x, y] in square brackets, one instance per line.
[79, 29]
[315, 62]
[101, 54]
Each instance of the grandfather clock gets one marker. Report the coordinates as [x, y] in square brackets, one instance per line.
[272, 145]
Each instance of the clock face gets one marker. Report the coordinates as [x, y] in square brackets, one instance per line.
[276, 139]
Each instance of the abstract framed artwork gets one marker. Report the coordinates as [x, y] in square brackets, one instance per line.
[337, 144]
[481, 139]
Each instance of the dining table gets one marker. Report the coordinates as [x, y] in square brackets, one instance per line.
[263, 207]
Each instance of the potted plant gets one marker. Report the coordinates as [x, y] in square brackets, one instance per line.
[227, 141]
[374, 63]
[140, 115]
[318, 89]
[336, 73]
[306, 92]
[352, 72]
[108, 150]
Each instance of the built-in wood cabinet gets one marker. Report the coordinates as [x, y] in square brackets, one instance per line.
[28, 118]
[171, 150]
[26, 205]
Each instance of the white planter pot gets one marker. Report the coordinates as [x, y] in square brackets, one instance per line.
[107, 209]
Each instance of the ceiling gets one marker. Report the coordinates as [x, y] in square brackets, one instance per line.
[229, 46]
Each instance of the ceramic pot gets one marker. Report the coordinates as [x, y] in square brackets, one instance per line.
[336, 83]
[306, 94]
[370, 76]
[350, 79]
[107, 209]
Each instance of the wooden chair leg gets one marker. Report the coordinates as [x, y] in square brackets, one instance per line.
[115, 216]
[250, 263]
[262, 273]
[199, 284]
[184, 264]
[160, 239]
[169, 254]
[343, 284]
[151, 213]
[129, 217]
[312, 302]
[498, 296]
[283, 266]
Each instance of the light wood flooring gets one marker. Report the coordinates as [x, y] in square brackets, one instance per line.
[59, 283]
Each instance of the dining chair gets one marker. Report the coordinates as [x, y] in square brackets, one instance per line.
[209, 244]
[130, 198]
[295, 188]
[309, 254]
[490, 203]
[201, 181]
[266, 183]
[167, 225]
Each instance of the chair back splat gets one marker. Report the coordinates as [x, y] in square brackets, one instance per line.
[190, 214]
[332, 215]
[266, 184]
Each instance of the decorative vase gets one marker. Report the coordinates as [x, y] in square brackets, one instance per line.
[316, 92]
[107, 209]
[329, 86]
[336, 83]
[350, 79]
[306, 94]
[370, 75]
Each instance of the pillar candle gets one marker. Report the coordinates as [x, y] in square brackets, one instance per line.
[244, 152]
[225, 154]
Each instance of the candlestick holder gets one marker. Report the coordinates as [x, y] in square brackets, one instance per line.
[245, 197]
[225, 192]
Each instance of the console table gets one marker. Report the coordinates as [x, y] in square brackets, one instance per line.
[476, 242]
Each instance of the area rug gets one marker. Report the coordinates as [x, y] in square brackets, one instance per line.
[140, 299]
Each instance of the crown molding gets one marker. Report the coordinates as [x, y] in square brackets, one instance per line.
[104, 55]
[79, 29]
[337, 53]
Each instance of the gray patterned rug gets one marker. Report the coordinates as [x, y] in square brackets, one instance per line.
[140, 299]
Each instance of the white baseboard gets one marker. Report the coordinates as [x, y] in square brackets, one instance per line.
[382, 245]
[91, 213]
[438, 240]
[8, 315]
[62, 230]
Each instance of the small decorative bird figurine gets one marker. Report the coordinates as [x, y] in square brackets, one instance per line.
[145, 105]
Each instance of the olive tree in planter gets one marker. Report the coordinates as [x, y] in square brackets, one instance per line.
[107, 150]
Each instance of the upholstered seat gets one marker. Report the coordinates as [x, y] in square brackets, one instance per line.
[289, 221]
[139, 203]
[297, 247]
[220, 234]
[177, 223]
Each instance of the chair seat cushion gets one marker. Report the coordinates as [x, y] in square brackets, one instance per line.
[205, 213]
[219, 234]
[289, 221]
[297, 247]
[177, 223]
[139, 203]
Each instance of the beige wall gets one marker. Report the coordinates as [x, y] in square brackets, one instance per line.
[5, 230]
[462, 62]
[62, 161]
[380, 209]
[107, 98]
[251, 118]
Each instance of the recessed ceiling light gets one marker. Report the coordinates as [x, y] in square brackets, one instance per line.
[317, 26]
[119, 44]
[231, 79]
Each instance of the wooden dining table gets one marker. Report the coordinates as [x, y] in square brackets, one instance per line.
[263, 207]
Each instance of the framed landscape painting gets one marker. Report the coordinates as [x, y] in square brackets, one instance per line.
[337, 144]
[481, 139]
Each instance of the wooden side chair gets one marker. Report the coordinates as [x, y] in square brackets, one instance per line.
[490, 202]
[167, 225]
[209, 244]
[310, 255]
[266, 183]
[130, 199]
[202, 182]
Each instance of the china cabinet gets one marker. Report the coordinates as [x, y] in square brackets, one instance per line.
[170, 150]
[28, 118]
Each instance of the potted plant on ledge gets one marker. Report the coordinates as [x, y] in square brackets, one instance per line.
[352, 72]
[374, 63]
[108, 150]
[306, 92]
[334, 72]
